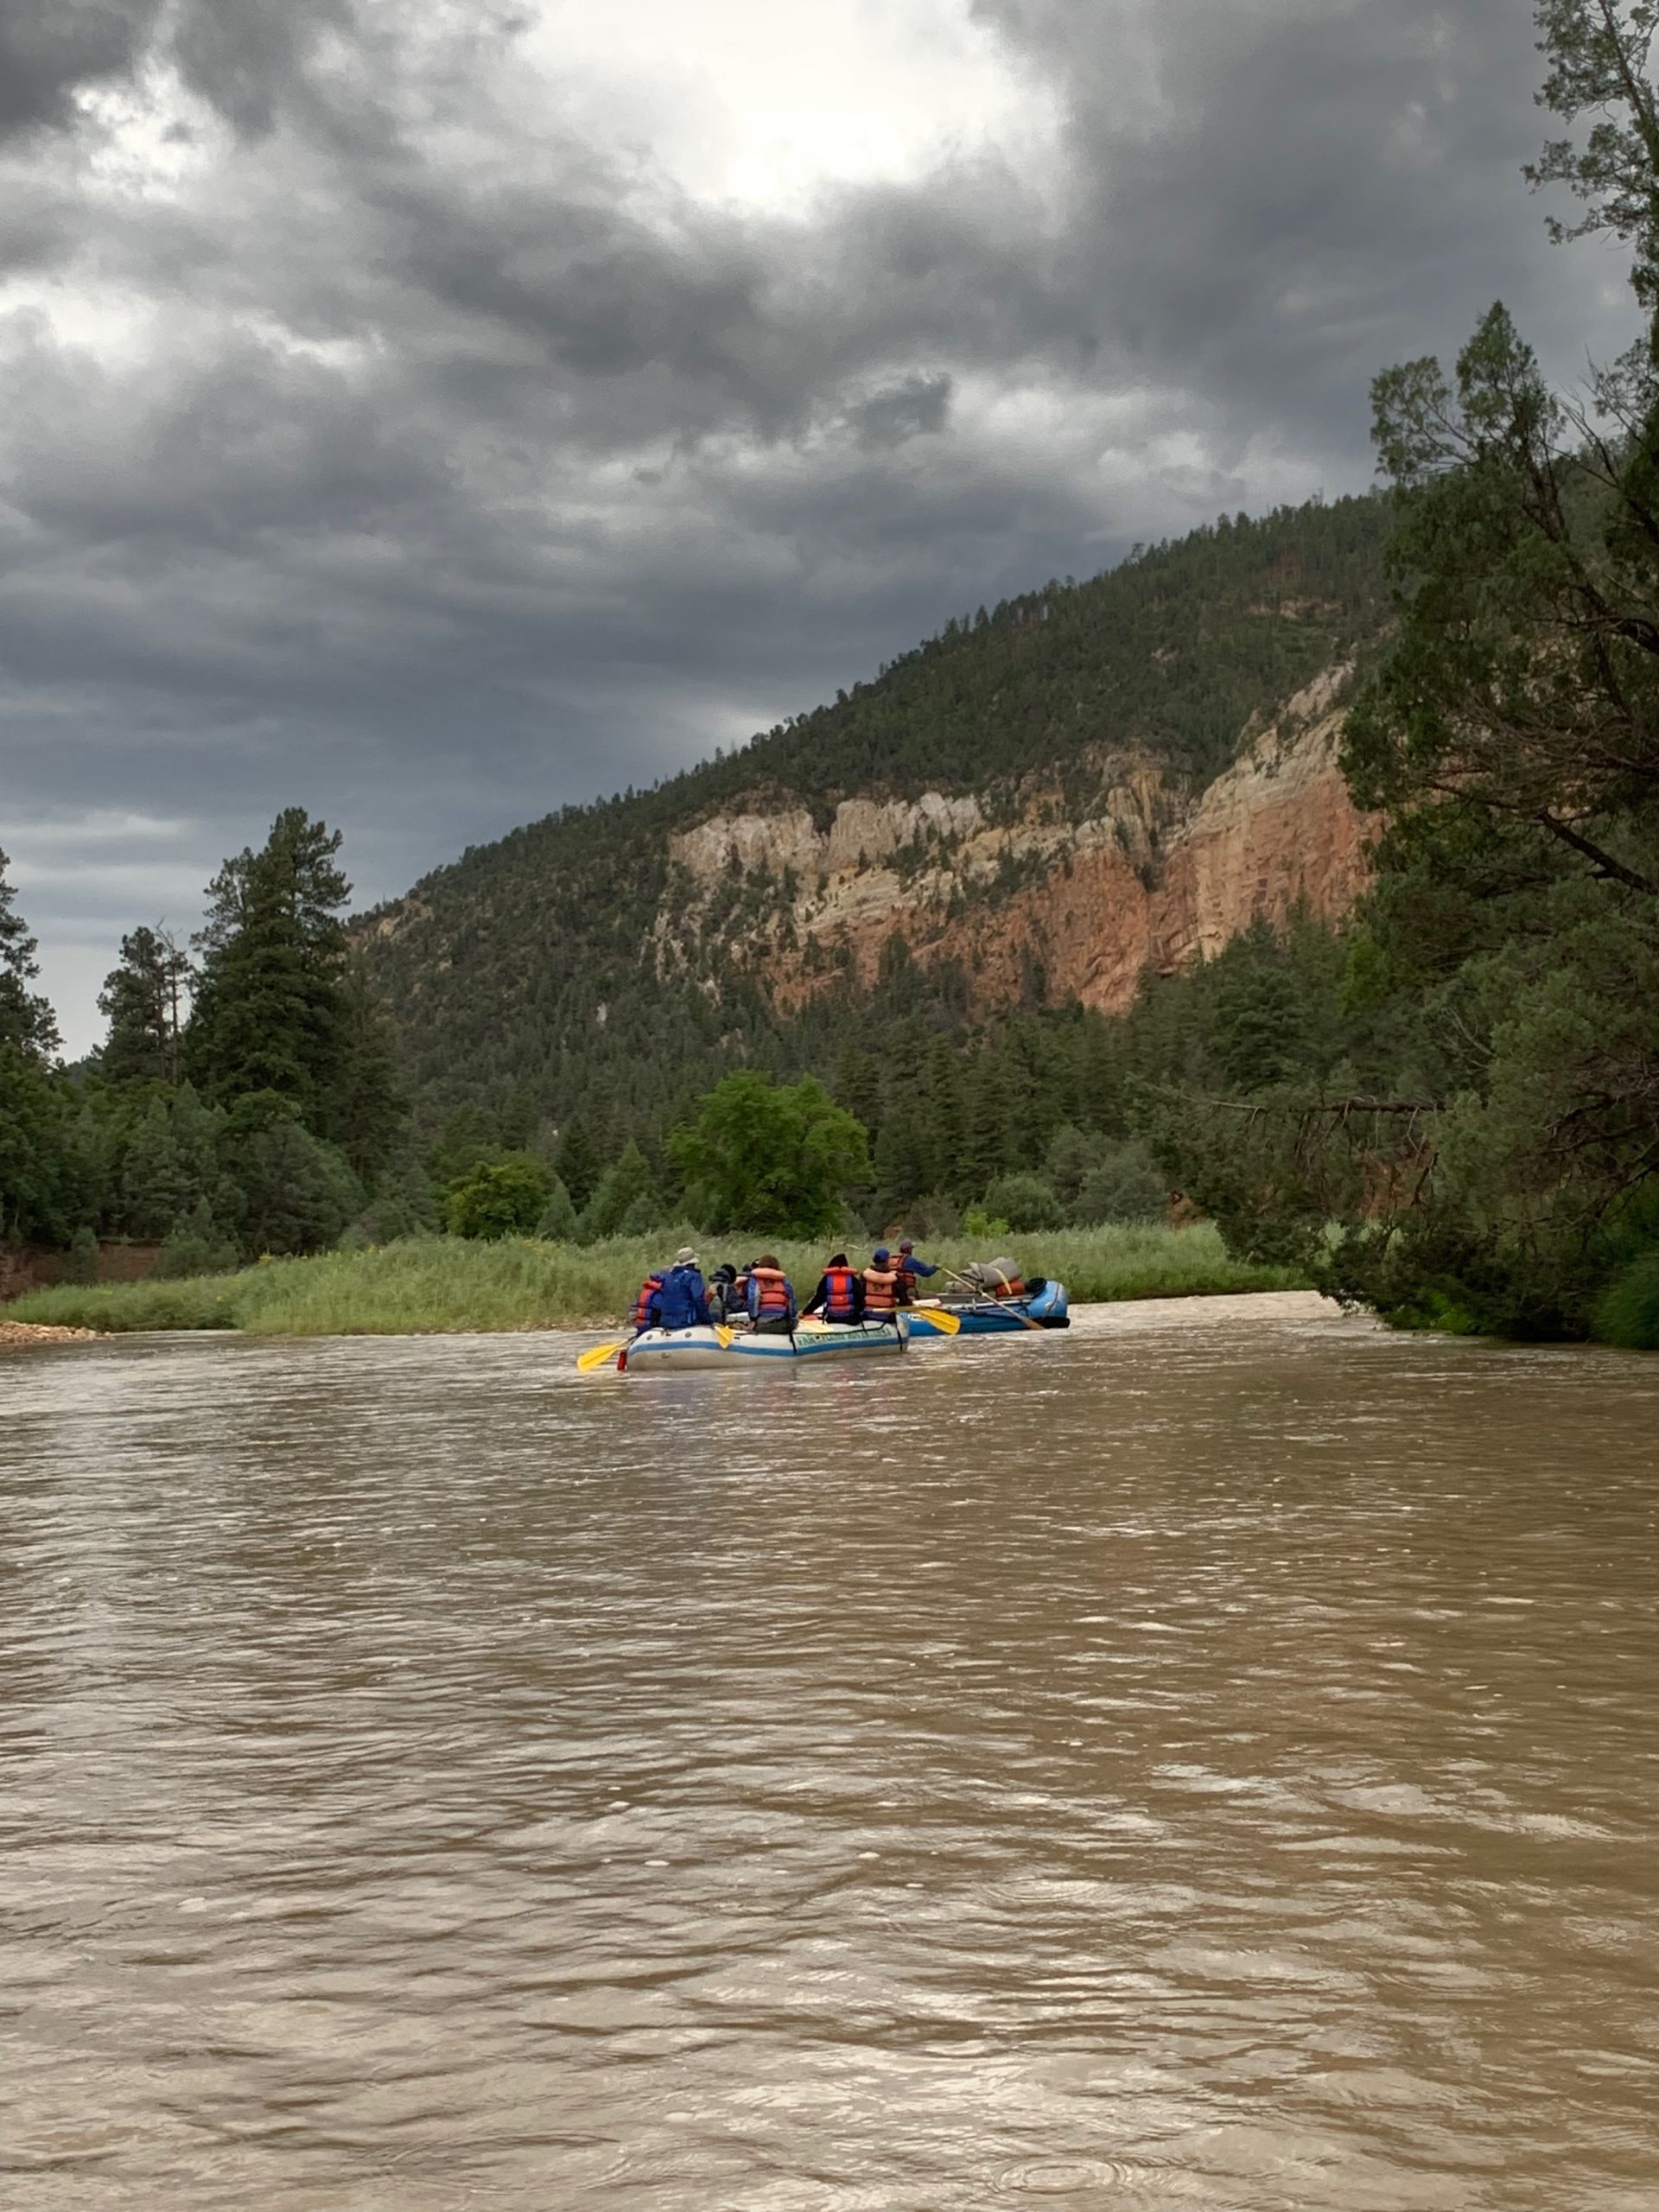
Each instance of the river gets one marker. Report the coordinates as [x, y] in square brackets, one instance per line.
[1207, 1760]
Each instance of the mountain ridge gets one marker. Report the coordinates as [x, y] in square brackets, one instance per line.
[1094, 779]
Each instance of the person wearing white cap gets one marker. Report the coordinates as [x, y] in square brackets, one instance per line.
[682, 1300]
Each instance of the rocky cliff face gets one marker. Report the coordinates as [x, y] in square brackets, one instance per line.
[1023, 888]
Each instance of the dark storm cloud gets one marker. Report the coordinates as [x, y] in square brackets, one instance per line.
[1272, 202]
[400, 450]
[49, 50]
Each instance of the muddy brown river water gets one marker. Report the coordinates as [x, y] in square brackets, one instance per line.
[1208, 1760]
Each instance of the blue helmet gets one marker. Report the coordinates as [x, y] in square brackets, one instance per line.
[881, 1254]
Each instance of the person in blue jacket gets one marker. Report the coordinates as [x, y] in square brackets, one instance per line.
[908, 1264]
[682, 1302]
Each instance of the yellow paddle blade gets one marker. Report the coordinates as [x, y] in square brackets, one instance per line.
[724, 1334]
[588, 1361]
[947, 1324]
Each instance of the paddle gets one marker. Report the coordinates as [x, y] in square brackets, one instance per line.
[946, 1324]
[1024, 1320]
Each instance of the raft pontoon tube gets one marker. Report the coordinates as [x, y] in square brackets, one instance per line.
[674, 1351]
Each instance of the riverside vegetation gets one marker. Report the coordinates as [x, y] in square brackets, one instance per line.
[432, 1284]
[1445, 1109]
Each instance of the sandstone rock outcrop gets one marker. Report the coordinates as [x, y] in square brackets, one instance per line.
[1146, 876]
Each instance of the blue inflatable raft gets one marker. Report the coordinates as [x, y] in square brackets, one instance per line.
[1044, 1303]
[676, 1351]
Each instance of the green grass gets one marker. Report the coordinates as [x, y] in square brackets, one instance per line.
[433, 1285]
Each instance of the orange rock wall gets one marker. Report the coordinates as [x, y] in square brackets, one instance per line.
[1150, 880]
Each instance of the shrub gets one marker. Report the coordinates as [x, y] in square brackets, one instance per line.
[195, 1245]
[983, 1227]
[500, 1198]
[1122, 1186]
[1025, 1202]
[80, 1264]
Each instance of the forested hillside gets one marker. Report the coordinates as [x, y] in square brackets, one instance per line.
[574, 967]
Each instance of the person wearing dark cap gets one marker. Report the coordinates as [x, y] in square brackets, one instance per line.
[908, 1264]
[840, 1294]
[723, 1301]
[882, 1287]
[682, 1301]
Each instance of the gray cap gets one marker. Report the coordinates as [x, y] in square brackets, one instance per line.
[685, 1257]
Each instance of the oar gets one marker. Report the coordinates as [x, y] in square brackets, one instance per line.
[946, 1324]
[1024, 1319]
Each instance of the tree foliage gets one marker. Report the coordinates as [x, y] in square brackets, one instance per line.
[143, 1001]
[26, 1022]
[770, 1157]
[500, 1198]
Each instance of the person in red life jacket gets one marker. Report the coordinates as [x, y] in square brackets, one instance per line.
[648, 1290]
[883, 1286]
[682, 1302]
[772, 1299]
[908, 1264]
[840, 1294]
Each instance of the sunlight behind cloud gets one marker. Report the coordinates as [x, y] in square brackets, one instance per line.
[751, 105]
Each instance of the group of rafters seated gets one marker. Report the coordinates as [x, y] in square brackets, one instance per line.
[762, 1295]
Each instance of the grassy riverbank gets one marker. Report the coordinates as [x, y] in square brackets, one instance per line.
[432, 1284]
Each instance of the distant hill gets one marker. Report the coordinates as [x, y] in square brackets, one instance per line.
[1023, 811]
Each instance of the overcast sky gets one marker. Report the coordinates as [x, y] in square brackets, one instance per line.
[429, 413]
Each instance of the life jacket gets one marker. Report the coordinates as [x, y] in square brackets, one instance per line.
[841, 1295]
[771, 1293]
[880, 1291]
[648, 1290]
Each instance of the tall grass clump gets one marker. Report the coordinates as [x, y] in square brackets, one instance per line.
[1628, 1313]
[434, 1284]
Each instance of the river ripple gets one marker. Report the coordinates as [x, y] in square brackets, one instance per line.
[1204, 1761]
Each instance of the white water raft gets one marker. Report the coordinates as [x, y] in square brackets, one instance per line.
[663, 1351]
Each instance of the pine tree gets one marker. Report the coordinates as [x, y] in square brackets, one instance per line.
[143, 999]
[271, 1014]
[947, 1120]
[293, 1193]
[368, 1107]
[626, 1192]
[991, 1150]
[467, 1136]
[171, 1166]
[26, 1019]
[575, 1162]
[858, 1085]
